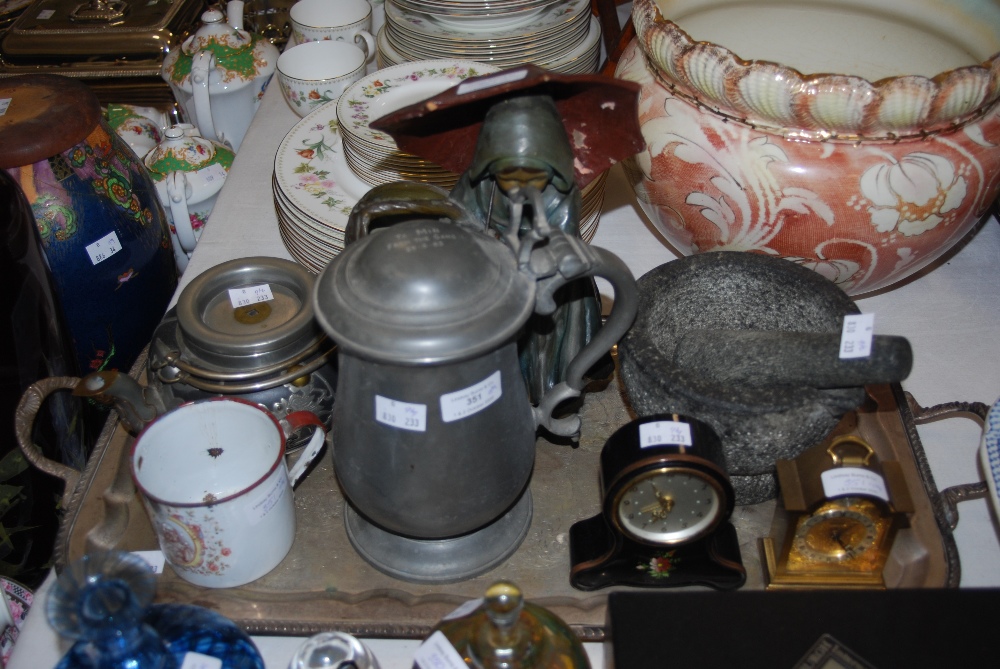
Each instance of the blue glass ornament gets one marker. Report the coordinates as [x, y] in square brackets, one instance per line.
[104, 601]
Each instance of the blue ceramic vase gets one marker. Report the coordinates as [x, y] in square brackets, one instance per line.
[103, 231]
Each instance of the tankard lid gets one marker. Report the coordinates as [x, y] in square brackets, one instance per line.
[46, 114]
[242, 315]
[423, 292]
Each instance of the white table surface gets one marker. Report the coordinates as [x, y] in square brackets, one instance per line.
[951, 315]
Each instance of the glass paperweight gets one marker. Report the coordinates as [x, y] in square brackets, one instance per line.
[104, 601]
[506, 632]
[333, 650]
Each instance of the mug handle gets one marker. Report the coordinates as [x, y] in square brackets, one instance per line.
[369, 47]
[291, 423]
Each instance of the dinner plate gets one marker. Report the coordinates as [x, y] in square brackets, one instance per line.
[395, 87]
[550, 18]
[989, 455]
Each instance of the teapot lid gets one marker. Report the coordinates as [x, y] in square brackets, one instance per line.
[217, 36]
[182, 152]
[423, 292]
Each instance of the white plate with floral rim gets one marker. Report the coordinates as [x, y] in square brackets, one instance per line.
[311, 172]
[550, 18]
[395, 87]
[989, 455]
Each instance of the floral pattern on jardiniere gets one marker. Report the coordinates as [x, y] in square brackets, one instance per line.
[865, 214]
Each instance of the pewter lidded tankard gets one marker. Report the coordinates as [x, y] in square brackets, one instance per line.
[433, 432]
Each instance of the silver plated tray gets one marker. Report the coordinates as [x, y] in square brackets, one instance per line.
[323, 584]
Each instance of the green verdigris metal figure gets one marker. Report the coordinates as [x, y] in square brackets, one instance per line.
[522, 153]
[525, 141]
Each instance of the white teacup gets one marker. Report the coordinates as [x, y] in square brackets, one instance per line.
[341, 20]
[213, 478]
[315, 73]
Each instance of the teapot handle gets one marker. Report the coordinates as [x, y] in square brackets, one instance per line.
[573, 258]
[201, 66]
[402, 199]
[177, 193]
[24, 422]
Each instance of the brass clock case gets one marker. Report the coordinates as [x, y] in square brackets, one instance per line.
[829, 537]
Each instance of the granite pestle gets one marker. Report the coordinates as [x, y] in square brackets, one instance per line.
[773, 357]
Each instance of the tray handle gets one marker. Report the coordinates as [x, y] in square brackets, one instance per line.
[951, 497]
[24, 420]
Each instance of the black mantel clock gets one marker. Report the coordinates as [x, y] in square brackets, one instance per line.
[665, 517]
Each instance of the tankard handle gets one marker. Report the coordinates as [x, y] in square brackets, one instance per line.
[572, 258]
[400, 201]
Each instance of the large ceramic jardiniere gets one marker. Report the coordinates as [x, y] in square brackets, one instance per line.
[866, 176]
[218, 75]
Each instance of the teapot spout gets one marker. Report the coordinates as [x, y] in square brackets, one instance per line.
[234, 14]
[136, 406]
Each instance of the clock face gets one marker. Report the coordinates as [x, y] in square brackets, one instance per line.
[669, 505]
[837, 533]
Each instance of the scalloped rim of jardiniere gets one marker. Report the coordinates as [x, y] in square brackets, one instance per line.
[778, 98]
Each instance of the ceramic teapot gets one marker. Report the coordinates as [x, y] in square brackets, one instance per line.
[434, 432]
[189, 171]
[219, 74]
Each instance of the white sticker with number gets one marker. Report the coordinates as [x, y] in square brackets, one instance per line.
[241, 297]
[154, 559]
[403, 415]
[104, 248]
[4, 104]
[212, 173]
[471, 400]
[438, 653]
[663, 433]
[856, 338]
[853, 481]
[193, 660]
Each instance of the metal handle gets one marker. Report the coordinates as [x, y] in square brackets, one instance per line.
[606, 265]
[404, 200]
[951, 497]
[24, 421]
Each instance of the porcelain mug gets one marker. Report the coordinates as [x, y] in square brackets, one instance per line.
[213, 478]
[315, 73]
[340, 20]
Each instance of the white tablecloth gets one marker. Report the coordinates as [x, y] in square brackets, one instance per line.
[950, 314]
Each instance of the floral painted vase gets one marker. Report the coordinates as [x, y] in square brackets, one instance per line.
[866, 182]
[101, 227]
[219, 74]
[189, 171]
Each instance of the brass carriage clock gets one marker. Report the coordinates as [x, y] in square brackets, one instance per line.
[837, 516]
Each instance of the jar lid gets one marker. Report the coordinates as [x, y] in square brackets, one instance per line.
[47, 114]
[210, 330]
[423, 292]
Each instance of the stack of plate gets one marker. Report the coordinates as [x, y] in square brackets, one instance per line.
[331, 158]
[558, 35]
[372, 155]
